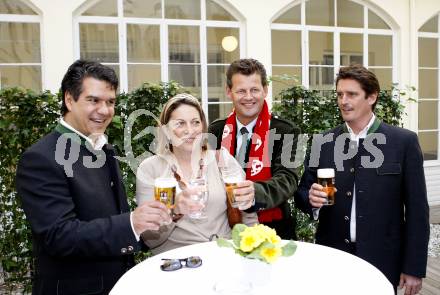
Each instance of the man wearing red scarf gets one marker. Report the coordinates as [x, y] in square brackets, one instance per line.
[256, 139]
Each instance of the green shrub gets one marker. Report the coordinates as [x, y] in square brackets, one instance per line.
[25, 117]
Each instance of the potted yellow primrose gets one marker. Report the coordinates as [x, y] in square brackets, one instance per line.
[258, 242]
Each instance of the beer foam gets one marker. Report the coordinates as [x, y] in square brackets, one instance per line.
[232, 179]
[165, 182]
[326, 173]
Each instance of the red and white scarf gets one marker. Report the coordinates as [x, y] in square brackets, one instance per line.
[258, 166]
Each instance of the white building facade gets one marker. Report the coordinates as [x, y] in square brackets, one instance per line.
[193, 41]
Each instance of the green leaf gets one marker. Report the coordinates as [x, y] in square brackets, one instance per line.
[255, 254]
[224, 243]
[289, 249]
[241, 253]
[236, 230]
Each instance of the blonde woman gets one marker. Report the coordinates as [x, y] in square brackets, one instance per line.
[180, 145]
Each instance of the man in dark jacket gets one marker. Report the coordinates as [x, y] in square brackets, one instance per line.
[264, 144]
[381, 210]
[84, 235]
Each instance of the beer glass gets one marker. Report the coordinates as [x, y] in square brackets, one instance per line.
[231, 182]
[165, 191]
[201, 197]
[326, 178]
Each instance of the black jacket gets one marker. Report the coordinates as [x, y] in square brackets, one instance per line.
[82, 238]
[392, 213]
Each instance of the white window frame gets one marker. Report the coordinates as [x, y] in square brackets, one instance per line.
[364, 31]
[430, 163]
[31, 19]
[164, 24]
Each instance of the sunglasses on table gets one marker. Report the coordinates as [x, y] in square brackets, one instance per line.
[175, 264]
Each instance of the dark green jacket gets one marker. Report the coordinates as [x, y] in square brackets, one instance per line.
[276, 191]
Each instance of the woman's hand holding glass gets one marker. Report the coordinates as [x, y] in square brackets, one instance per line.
[185, 203]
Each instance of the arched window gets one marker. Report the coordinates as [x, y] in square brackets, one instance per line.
[20, 54]
[429, 36]
[190, 41]
[312, 39]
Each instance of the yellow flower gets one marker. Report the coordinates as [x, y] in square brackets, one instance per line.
[275, 239]
[258, 242]
[270, 254]
[269, 234]
[249, 240]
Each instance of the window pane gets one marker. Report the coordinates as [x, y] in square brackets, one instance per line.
[376, 22]
[21, 76]
[178, 9]
[428, 48]
[216, 83]
[385, 77]
[351, 49]
[143, 43]
[428, 83]
[216, 12]
[115, 68]
[380, 50]
[103, 8]
[321, 48]
[291, 16]
[19, 42]
[428, 114]
[350, 14]
[218, 111]
[321, 78]
[14, 7]
[286, 47]
[99, 42]
[431, 25]
[138, 74]
[320, 12]
[278, 83]
[429, 145]
[223, 45]
[184, 44]
[187, 75]
[140, 8]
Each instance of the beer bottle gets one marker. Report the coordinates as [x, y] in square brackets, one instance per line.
[234, 214]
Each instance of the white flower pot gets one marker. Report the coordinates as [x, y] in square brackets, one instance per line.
[256, 271]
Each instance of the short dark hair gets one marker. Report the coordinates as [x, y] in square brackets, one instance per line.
[363, 76]
[77, 72]
[247, 67]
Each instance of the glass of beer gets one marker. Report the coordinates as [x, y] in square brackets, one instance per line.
[165, 191]
[326, 178]
[230, 185]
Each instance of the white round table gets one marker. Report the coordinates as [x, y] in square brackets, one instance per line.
[313, 269]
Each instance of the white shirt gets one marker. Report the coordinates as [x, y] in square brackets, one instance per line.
[356, 137]
[249, 127]
[97, 145]
[353, 137]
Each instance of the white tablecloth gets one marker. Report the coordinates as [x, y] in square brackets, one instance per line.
[313, 269]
